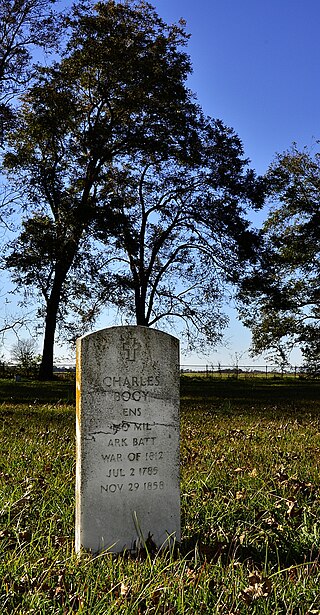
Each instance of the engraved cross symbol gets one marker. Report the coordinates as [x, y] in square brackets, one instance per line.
[130, 347]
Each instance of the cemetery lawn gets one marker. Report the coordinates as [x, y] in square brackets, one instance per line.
[250, 499]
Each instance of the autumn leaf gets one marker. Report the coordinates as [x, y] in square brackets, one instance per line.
[124, 590]
[293, 511]
[259, 587]
[239, 470]
[282, 475]
[25, 535]
[240, 495]
[242, 538]
[221, 460]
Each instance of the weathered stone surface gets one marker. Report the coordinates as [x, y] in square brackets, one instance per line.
[127, 477]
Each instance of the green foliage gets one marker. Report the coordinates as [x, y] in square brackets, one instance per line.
[250, 508]
[110, 144]
[83, 115]
[281, 297]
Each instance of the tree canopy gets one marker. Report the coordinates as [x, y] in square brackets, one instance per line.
[84, 114]
[282, 295]
[130, 194]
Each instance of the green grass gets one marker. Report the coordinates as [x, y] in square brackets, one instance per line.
[250, 455]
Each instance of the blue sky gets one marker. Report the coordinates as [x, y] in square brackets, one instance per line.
[256, 67]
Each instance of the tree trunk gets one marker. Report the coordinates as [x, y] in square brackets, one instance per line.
[46, 367]
[140, 306]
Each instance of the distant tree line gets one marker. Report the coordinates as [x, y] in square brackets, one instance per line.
[125, 195]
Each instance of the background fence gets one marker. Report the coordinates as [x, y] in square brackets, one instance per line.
[8, 370]
[248, 371]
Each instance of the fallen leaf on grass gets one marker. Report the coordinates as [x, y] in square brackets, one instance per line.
[282, 475]
[293, 511]
[259, 587]
[25, 535]
[240, 495]
[300, 486]
[124, 590]
[60, 541]
[242, 538]
[221, 460]
[239, 470]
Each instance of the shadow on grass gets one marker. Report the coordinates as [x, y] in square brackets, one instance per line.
[231, 396]
[34, 392]
[192, 389]
[282, 555]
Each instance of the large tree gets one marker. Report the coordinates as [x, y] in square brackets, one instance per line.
[179, 234]
[282, 295]
[118, 91]
[112, 145]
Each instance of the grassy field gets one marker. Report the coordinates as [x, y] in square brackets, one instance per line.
[250, 455]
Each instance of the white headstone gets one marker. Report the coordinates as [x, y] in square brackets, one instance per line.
[127, 475]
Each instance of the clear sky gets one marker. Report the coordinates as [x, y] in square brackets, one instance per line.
[256, 67]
